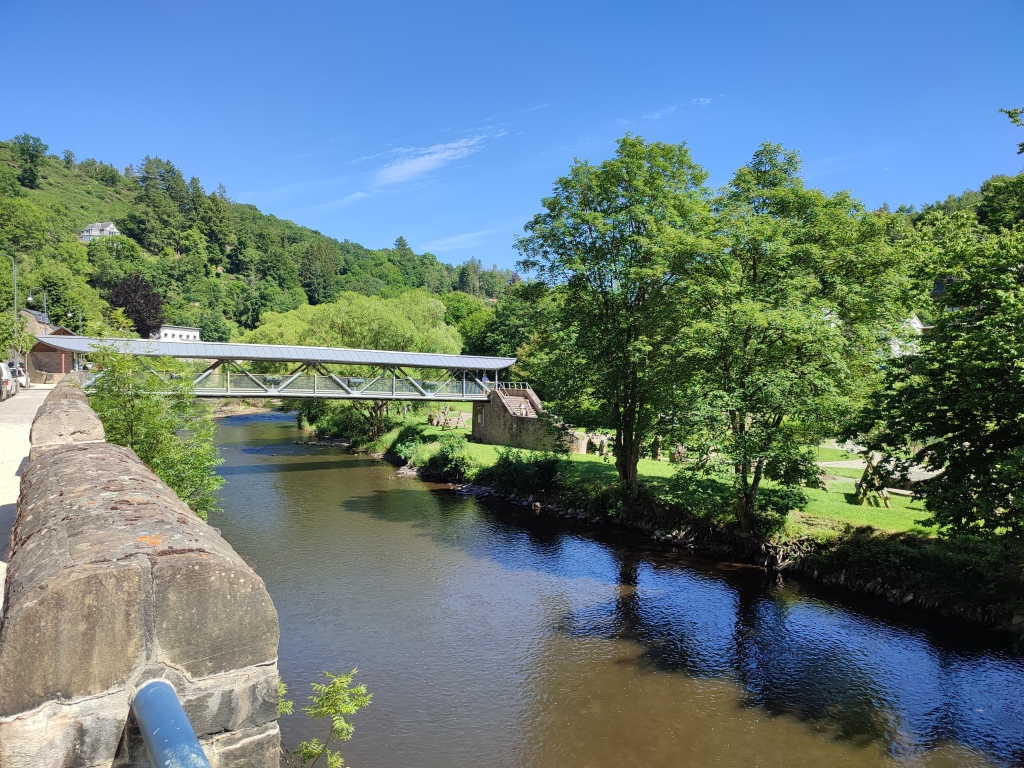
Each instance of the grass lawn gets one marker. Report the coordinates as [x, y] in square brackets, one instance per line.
[845, 472]
[825, 453]
[838, 505]
[827, 512]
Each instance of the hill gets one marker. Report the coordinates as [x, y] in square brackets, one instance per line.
[203, 259]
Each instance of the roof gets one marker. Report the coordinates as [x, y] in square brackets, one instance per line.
[212, 350]
[100, 225]
[39, 317]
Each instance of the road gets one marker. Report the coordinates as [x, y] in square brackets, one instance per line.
[16, 415]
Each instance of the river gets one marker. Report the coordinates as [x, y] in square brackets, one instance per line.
[492, 637]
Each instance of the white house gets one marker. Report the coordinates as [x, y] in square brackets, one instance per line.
[98, 229]
[177, 333]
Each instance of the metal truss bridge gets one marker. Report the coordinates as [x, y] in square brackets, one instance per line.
[387, 376]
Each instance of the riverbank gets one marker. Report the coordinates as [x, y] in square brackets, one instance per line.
[867, 549]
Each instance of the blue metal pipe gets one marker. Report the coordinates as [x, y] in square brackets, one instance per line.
[166, 731]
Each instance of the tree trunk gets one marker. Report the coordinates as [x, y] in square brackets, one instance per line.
[745, 511]
[627, 457]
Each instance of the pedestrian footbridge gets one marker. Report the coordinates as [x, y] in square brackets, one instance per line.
[240, 370]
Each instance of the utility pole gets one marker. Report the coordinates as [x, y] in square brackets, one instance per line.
[14, 328]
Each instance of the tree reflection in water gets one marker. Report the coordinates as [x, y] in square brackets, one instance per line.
[860, 679]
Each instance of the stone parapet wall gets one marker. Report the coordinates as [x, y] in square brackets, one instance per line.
[113, 581]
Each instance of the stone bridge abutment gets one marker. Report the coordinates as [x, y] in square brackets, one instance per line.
[113, 581]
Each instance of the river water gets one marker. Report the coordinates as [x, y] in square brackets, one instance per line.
[491, 637]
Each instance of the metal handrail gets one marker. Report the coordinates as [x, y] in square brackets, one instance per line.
[512, 385]
[166, 731]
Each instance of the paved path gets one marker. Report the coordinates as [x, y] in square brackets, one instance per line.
[16, 416]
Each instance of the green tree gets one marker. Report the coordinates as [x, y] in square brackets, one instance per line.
[69, 158]
[163, 423]
[30, 151]
[23, 226]
[411, 322]
[806, 290]
[319, 272]
[1017, 118]
[112, 259]
[955, 406]
[620, 241]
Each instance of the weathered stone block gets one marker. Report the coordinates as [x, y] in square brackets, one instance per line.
[83, 733]
[258, 748]
[65, 421]
[78, 634]
[213, 614]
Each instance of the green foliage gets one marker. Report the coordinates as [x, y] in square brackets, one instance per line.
[163, 423]
[214, 263]
[112, 259]
[518, 471]
[802, 292]
[336, 700]
[319, 273]
[620, 242]
[955, 407]
[285, 706]
[1017, 118]
[29, 151]
[452, 459]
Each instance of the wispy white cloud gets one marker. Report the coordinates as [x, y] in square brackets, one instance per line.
[413, 162]
[703, 101]
[456, 242]
[660, 113]
[534, 109]
[338, 203]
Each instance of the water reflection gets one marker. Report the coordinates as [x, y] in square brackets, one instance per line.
[495, 638]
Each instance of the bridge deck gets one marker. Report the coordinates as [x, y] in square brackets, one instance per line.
[454, 377]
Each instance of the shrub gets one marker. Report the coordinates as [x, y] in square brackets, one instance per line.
[523, 472]
[407, 442]
[451, 460]
[163, 423]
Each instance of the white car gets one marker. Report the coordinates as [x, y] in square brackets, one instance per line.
[8, 384]
[19, 374]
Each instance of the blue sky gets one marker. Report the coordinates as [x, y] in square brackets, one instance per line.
[447, 122]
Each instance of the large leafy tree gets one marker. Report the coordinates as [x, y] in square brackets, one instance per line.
[621, 241]
[143, 305]
[805, 292]
[957, 406]
[412, 322]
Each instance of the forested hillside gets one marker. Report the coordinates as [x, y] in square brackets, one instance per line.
[186, 255]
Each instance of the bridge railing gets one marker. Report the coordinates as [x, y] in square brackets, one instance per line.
[225, 382]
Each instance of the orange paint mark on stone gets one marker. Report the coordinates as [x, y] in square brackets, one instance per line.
[149, 541]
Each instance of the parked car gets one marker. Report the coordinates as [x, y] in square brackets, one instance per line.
[19, 374]
[8, 384]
